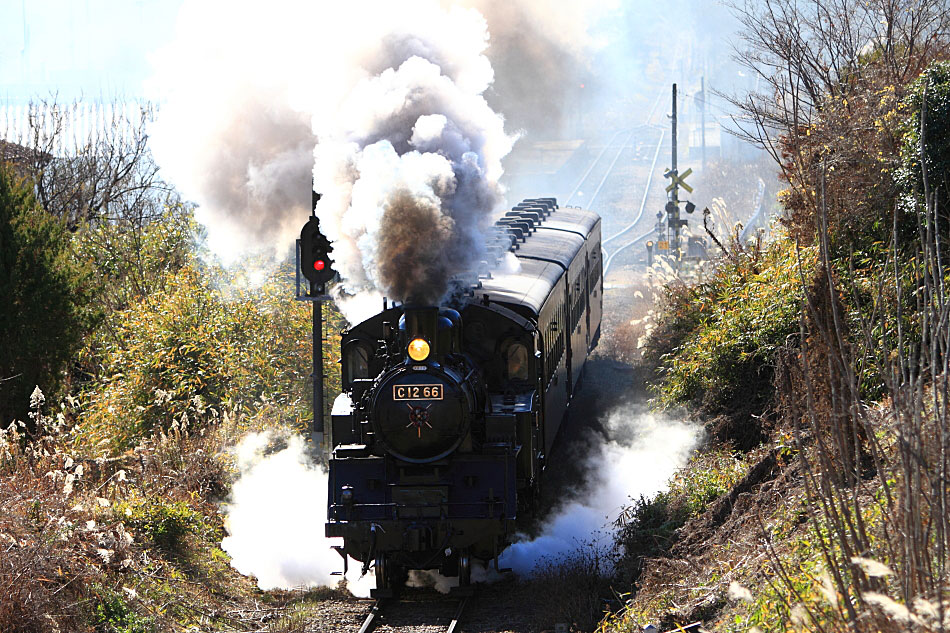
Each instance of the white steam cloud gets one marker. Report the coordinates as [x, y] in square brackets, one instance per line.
[381, 101]
[276, 514]
[275, 520]
[640, 454]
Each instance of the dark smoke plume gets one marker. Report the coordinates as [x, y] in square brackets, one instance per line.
[415, 248]
[540, 51]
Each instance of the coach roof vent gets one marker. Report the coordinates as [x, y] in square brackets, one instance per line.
[503, 240]
[549, 204]
[541, 211]
[515, 218]
[521, 228]
[533, 219]
[516, 233]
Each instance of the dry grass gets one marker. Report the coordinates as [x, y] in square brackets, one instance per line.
[842, 523]
[575, 587]
[125, 545]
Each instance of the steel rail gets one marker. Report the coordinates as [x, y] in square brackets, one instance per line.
[454, 625]
[592, 165]
[596, 161]
[646, 193]
[610, 169]
[373, 615]
[623, 248]
[643, 202]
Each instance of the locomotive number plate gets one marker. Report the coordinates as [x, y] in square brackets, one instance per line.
[417, 392]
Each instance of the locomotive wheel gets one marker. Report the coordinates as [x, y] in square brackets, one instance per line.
[465, 570]
[389, 576]
[382, 577]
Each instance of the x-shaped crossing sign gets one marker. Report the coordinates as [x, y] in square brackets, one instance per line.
[678, 179]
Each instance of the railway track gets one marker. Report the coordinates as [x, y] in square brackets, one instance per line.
[643, 202]
[376, 614]
[600, 170]
[602, 167]
[591, 174]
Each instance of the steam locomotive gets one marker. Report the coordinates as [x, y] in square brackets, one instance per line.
[447, 414]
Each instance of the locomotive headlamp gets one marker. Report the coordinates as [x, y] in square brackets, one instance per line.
[418, 349]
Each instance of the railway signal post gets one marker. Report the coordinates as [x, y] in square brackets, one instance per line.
[313, 258]
[677, 180]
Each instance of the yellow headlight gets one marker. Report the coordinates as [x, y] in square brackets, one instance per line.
[418, 349]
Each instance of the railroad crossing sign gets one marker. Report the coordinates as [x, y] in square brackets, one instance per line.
[678, 180]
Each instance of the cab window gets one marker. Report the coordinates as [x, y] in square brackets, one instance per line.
[356, 360]
[517, 361]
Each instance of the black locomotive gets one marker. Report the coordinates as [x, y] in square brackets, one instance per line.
[448, 413]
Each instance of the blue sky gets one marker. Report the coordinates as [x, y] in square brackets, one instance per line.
[87, 48]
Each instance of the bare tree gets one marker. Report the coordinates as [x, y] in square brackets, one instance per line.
[812, 55]
[102, 174]
[804, 53]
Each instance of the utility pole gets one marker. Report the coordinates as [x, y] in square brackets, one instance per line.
[674, 211]
[674, 133]
[317, 430]
[316, 265]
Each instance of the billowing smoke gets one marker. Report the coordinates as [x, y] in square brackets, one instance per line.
[639, 455]
[414, 179]
[382, 101]
[541, 51]
[227, 134]
[275, 519]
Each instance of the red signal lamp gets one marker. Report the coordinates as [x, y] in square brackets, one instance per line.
[319, 264]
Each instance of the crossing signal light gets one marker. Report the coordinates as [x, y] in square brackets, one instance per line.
[315, 262]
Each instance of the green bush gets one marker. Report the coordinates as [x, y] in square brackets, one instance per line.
[164, 523]
[131, 260]
[111, 614]
[710, 475]
[934, 85]
[189, 353]
[726, 330]
[648, 526]
[44, 314]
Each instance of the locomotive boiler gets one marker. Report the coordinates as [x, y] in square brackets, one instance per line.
[448, 413]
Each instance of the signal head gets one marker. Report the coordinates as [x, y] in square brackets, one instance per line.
[315, 249]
